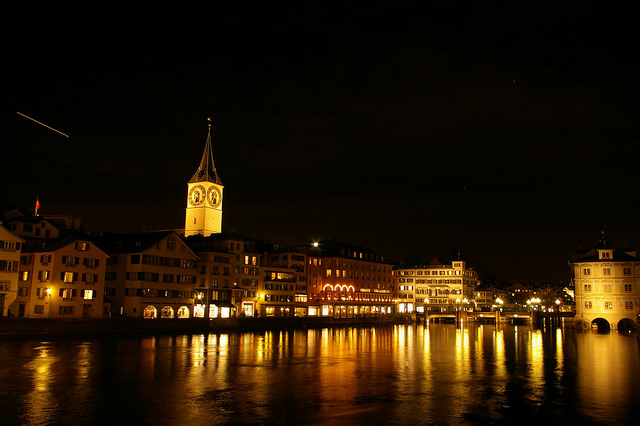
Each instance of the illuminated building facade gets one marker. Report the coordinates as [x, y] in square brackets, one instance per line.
[10, 247]
[229, 267]
[296, 261]
[607, 292]
[150, 275]
[204, 201]
[277, 292]
[438, 287]
[62, 278]
[347, 281]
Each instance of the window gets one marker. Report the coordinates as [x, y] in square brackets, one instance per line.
[67, 293]
[38, 309]
[586, 271]
[65, 310]
[587, 287]
[628, 287]
[70, 260]
[43, 275]
[628, 305]
[23, 291]
[82, 246]
[135, 259]
[608, 305]
[171, 242]
[25, 276]
[626, 271]
[68, 277]
[606, 271]
[607, 288]
[588, 304]
[88, 294]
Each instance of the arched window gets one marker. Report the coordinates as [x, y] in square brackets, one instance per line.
[167, 312]
[150, 312]
[183, 312]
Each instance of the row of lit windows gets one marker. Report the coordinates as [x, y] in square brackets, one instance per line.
[588, 304]
[607, 288]
[173, 262]
[439, 272]
[607, 271]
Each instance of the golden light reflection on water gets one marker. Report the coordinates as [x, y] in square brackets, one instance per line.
[412, 374]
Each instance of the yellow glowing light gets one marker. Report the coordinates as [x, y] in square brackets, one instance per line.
[49, 291]
[315, 244]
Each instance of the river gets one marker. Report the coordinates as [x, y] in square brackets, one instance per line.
[401, 374]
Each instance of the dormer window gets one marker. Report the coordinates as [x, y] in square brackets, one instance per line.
[606, 254]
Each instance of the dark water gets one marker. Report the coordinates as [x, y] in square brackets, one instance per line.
[406, 374]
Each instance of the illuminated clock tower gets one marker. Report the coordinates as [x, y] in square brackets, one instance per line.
[204, 201]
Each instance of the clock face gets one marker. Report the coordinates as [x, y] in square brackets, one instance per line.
[214, 197]
[196, 195]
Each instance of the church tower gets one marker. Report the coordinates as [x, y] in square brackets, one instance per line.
[204, 202]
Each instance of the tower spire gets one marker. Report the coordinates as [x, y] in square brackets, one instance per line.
[207, 170]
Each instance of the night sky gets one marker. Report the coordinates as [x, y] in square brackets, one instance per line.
[507, 132]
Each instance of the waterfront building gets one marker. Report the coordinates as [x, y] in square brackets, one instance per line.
[607, 286]
[296, 261]
[489, 298]
[10, 248]
[150, 275]
[345, 280]
[62, 278]
[204, 200]
[277, 292]
[439, 287]
[229, 271]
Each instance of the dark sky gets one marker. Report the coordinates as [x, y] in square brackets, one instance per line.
[509, 132]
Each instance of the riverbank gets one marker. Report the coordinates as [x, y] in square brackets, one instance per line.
[21, 326]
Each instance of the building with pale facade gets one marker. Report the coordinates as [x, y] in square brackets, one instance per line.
[437, 287]
[10, 248]
[150, 275]
[607, 287]
[62, 278]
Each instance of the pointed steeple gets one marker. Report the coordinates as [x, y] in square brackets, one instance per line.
[207, 170]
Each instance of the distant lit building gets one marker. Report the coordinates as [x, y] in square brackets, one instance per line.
[438, 287]
[10, 248]
[277, 292]
[607, 286]
[345, 281]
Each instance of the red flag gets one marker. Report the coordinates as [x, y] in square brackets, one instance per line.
[37, 206]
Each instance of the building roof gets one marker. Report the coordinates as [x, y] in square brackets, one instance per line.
[130, 243]
[338, 249]
[207, 170]
[52, 244]
[592, 254]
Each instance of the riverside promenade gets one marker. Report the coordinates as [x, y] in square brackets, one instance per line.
[23, 326]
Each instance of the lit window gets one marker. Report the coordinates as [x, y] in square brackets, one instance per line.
[68, 277]
[608, 305]
[25, 276]
[588, 304]
[88, 294]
